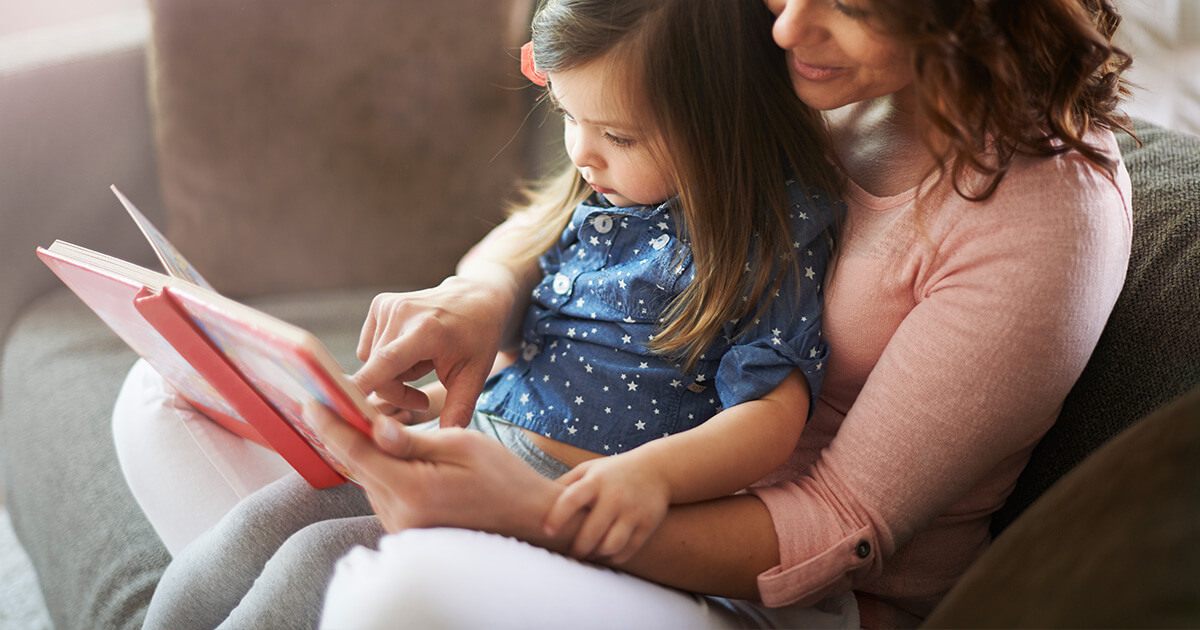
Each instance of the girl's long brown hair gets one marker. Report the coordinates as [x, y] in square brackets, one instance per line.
[709, 79]
[997, 78]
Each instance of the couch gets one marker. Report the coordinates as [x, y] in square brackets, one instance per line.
[305, 169]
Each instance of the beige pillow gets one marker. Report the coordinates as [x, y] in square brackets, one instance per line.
[309, 144]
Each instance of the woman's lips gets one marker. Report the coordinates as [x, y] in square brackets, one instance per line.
[811, 72]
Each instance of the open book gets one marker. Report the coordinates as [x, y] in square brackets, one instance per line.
[248, 371]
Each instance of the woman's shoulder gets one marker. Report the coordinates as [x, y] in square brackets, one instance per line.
[1072, 169]
[1044, 190]
[1068, 189]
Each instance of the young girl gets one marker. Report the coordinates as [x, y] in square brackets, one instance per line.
[676, 324]
[681, 301]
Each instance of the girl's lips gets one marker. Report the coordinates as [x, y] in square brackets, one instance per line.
[602, 190]
[810, 72]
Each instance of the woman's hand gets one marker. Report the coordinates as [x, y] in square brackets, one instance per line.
[622, 500]
[454, 329]
[448, 477]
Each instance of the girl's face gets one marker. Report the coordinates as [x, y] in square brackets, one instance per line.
[835, 56]
[603, 139]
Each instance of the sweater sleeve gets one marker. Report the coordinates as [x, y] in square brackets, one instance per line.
[1000, 306]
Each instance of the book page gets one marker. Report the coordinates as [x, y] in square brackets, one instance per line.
[111, 296]
[173, 261]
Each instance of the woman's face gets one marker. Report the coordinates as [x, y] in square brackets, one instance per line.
[835, 56]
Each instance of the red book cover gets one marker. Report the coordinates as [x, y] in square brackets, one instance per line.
[285, 364]
[283, 430]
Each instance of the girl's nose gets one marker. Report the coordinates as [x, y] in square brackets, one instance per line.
[583, 152]
[797, 23]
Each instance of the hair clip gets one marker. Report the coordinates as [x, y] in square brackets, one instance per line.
[528, 69]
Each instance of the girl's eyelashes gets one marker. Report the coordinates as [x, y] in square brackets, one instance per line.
[618, 141]
[558, 110]
[848, 10]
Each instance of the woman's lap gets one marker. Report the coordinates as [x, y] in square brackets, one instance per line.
[452, 578]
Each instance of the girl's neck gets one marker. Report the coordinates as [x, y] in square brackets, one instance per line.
[879, 144]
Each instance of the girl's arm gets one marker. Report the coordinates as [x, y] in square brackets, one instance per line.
[626, 496]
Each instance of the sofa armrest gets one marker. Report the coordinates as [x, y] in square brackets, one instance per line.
[75, 121]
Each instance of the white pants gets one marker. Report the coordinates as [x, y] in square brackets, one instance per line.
[184, 470]
[187, 472]
[455, 578]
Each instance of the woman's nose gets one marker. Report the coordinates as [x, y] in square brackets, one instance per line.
[797, 23]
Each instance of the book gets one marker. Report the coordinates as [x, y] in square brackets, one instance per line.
[248, 371]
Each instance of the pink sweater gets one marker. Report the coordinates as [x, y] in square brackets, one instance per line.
[956, 330]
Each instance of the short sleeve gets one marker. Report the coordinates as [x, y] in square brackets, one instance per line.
[786, 333]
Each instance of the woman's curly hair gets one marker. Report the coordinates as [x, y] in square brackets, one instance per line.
[996, 78]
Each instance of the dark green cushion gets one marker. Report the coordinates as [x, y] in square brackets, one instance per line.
[1112, 545]
[1149, 353]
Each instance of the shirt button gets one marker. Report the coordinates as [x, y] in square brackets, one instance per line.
[529, 351]
[603, 223]
[562, 284]
[863, 549]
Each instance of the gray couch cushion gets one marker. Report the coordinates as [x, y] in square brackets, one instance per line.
[97, 560]
[1149, 353]
[96, 556]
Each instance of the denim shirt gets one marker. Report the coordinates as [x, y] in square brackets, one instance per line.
[584, 374]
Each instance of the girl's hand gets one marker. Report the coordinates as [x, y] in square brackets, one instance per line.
[454, 329]
[624, 500]
[434, 392]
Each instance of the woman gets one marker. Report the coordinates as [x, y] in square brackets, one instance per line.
[986, 242]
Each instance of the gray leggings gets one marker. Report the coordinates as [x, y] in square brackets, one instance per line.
[266, 564]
